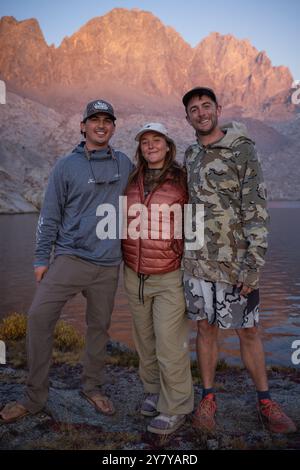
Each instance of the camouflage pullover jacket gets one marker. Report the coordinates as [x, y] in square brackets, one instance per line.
[226, 177]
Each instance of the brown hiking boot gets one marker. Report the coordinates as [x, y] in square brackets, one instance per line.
[204, 417]
[274, 418]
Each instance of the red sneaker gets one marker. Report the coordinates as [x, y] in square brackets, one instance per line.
[204, 417]
[274, 418]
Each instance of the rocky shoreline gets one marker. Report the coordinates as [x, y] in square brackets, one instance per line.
[68, 422]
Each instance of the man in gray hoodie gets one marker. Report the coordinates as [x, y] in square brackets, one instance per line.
[82, 189]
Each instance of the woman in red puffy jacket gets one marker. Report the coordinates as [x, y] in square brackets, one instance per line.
[152, 249]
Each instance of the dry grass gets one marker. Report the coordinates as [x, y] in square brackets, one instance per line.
[66, 338]
[68, 343]
[123, 358]
[68, 436]
[13, 327]
[16, 353]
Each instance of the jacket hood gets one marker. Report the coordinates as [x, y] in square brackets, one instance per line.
[94, 154]
[235, 133]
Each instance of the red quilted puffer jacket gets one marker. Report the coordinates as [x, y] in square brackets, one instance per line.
[156, 255]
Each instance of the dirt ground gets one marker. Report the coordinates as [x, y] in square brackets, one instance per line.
[70, 422]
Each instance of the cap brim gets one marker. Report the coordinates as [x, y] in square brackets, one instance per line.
[100, 112]
[139, 134]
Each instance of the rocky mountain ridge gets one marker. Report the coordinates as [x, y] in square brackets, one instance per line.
[33, 136]
[132, 58]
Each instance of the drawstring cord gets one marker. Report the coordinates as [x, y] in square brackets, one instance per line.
[143, 278]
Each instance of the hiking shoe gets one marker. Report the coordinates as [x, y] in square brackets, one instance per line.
[274, 418]
[204, 417]
[149, 405]
[165, 424]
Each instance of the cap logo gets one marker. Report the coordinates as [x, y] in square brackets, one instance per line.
[100, 105]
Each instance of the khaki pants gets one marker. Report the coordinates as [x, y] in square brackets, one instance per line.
[67, 276]
[160, 331]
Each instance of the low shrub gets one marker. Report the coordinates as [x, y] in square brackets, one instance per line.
[13, 327]
[66, 338]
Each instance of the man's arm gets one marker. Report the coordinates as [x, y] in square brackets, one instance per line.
[49, 220]
[254, 215]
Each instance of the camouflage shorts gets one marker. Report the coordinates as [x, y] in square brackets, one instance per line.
[220, 303]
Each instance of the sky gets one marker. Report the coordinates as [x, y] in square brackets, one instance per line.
[270, 25]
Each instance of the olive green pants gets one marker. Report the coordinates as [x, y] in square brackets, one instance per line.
[160, 332]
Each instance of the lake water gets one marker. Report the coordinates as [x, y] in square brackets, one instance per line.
[280, 286]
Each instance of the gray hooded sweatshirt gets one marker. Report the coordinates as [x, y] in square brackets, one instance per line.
[77, 188]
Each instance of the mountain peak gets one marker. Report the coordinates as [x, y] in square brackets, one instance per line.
[8, 20]
[19, 30]
[129, 53]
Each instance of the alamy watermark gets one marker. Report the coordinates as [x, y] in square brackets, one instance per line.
[2, 92]
[295, 358]
[164, 222]
[296, 94]
[2, 352]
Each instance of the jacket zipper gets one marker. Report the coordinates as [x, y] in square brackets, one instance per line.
[143, 199]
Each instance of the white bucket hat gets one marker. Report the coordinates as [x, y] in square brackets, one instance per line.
[155, 127]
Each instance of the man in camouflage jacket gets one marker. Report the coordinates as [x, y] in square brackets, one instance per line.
[221, 278]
